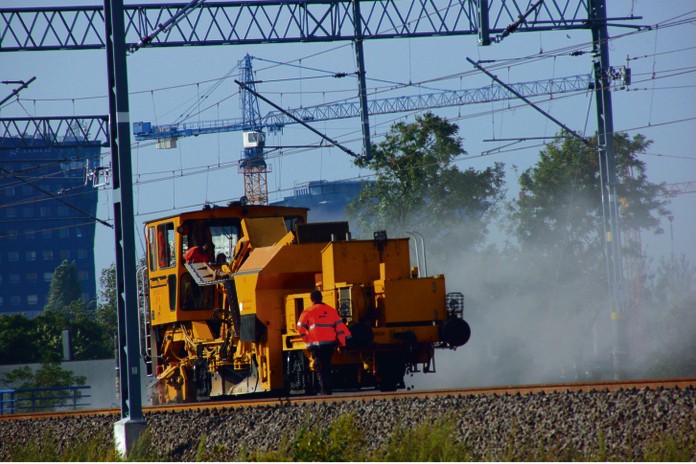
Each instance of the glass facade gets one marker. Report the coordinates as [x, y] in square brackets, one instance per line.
[46, 216]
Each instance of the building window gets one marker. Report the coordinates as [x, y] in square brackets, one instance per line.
[14, 278]
[15, 300]
[27, 212]
[47, 255]
[47, 276]
[46, 233]
[64, 254]
[32, 277]
[32, 300]
[63, 233]
[62, 211]
[11, 212]
[10, 191]
[27, 190]
[83, 276]
[81, 254]
[45, 211]
[30, 234]
[12, 234]
[13, 256]
[30, 255]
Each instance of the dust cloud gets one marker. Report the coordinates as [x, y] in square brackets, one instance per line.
[529, 326]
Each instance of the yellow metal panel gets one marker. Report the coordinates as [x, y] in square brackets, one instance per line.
[263, 232]
[412, 300]
[358, 261]
[294, 304]
[201, 331]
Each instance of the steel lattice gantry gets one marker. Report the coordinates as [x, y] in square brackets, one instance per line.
[259, 21]
[58, 131]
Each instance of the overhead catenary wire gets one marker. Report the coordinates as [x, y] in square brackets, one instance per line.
[662, 25]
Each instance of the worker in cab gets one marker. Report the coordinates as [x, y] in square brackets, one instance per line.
[322, 330]
[198, 254]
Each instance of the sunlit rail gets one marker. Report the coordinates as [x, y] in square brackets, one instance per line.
[373, 395]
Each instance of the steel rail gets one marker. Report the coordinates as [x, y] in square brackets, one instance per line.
[510, 390]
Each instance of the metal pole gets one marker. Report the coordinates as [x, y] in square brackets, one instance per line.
[608, 180]
[128, 429]
[362, 88]
[484, 32]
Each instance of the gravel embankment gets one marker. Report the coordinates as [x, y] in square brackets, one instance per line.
[622, 425]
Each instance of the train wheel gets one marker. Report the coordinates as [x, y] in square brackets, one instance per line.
[391, 369]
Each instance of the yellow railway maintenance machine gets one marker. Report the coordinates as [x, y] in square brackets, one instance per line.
[228, 326]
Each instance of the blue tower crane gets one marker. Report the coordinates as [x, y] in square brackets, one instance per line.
[253, 163]
[274, 121]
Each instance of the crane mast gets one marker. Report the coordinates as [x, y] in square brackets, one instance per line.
[253, 165]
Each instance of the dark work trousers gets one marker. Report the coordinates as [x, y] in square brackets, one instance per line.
[322, 360]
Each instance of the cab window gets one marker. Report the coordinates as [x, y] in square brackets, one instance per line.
[165, 245]
[224, 238]
[152, 248]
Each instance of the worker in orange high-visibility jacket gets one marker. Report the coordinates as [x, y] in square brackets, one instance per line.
[322, 329]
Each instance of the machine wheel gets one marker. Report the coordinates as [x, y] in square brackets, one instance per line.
[391, 369]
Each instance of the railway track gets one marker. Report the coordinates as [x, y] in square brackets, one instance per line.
[371, 395]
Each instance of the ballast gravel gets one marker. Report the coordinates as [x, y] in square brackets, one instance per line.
[624, 425]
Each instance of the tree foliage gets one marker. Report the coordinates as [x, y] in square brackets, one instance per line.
[91, 333]
[48, 375]
[106, 307]
[65, 287]
[419, 188]
[17, 341]
[560, 198]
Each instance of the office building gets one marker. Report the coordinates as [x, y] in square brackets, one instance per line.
[47, 211]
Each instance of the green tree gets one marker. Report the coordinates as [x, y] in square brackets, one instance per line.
[49, 375]
[559, 207]
[65, 287]
[106, 307]
[17, 340]
[88, 339]
[40, 339]
[419, 188]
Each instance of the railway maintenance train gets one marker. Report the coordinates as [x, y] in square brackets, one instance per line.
[226, 325]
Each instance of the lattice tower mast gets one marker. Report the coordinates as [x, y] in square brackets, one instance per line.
[253, 165]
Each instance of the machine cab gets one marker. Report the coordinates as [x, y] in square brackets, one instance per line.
[174, 294]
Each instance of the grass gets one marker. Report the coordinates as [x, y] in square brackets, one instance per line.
[432, 440]
[47, 449]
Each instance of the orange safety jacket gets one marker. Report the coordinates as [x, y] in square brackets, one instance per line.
[320, 324]
[196, 255]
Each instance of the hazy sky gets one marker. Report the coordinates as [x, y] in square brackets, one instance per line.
[196, 83]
